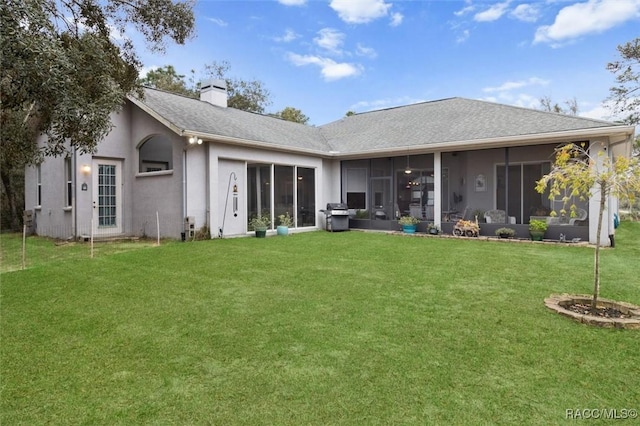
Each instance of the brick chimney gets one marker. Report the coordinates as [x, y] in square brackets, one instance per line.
[214, 92]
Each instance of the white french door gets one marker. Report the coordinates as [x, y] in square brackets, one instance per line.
[107, 197]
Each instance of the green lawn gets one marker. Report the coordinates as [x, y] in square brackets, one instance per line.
[316, 328]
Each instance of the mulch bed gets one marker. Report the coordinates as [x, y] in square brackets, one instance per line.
[599, 312]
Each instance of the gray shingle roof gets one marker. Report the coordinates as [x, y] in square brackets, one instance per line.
[193, 115]
[418, 125]
[448, 120]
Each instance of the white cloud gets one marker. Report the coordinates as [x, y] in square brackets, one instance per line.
[142, 73]
[521, 99]
[526, 13]
[330, 40]
[330, 69]
[396, 19]
[494, 13]
[377, 104]
[599, 112]
[467, 9]
[292, 2]
[289, 35]
[463, 36]
[512, 85]
[360, 11]
[593, 16]
[604, 111]
[218, 22]
[369, 52]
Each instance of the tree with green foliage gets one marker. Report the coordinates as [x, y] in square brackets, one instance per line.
[66, 66]
[166, 78]
[577, 172]
[246, 95]
[292, 114]
[625, 96]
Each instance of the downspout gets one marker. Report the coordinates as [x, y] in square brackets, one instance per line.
[437, 180]
[75, 194]
[184, 184]
[506, 182]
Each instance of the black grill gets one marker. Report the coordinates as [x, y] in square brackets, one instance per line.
[337, 217]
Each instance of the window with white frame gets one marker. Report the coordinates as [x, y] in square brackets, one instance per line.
[38, 185]
[68, 176]
[155, 154]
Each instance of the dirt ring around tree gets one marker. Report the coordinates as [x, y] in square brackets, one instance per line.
[608, 314]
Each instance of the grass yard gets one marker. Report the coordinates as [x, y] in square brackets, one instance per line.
[316, 328]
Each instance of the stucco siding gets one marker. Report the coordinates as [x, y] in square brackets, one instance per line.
[159, 192]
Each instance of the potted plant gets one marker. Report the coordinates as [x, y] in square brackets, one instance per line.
[409, 224]
[433, 229]
[537, 228]
[284, 223]
[260, 225]
[505, 232]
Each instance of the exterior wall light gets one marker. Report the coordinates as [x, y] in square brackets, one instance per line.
[195, 140]
[86, 169]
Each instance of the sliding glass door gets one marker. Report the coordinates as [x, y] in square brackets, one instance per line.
[273, 190]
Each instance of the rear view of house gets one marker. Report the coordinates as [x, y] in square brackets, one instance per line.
[174, 165]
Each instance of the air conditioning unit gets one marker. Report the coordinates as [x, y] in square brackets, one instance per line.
[190, 226]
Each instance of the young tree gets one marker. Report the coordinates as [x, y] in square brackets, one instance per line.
[292, 114]
[576, 172]
[625, 97]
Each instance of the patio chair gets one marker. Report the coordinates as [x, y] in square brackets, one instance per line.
[498, 216]
[415, 210]
[581, 215]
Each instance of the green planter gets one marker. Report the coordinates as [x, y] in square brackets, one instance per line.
[537, 235]
[261, 232]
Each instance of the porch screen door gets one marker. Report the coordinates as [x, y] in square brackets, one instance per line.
[107, 195]
[381, 202]
[522, 196]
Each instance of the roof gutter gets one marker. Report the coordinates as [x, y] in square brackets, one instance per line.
[254, 144]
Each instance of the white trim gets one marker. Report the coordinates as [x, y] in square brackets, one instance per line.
[151, 174]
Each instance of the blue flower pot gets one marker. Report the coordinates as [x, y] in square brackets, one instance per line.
[282, 230]
[409, 229]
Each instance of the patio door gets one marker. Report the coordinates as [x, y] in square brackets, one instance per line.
[107, 197]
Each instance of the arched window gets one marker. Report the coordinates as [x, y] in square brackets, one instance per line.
[155, 154]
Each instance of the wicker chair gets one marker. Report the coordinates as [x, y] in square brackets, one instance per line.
[581, 215]
[495, 216]
[498, 216]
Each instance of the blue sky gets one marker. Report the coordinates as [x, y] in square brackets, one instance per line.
[329, 57]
